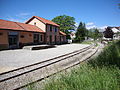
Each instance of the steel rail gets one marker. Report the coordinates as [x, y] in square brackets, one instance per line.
[55, 72]
[42, 61]
[76, 52]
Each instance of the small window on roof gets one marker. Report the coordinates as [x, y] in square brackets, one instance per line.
[35, 23]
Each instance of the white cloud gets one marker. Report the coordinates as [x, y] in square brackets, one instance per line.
[103, 27]
[90, 23]
[20, 17]
[92, 26]
[24, 14]
[14, 19]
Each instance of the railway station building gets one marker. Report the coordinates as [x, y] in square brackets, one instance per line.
[36, 30]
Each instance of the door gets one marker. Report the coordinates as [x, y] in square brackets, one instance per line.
[13, 40]
[50, 39]
[36, 38]
[55, 39]
[60, 39]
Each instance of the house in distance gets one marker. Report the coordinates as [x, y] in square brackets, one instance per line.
[36, 30]
[112, 33]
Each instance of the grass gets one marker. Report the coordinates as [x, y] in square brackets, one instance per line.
[109, 56]
[87, 78]
[87, 42]
[100, 73]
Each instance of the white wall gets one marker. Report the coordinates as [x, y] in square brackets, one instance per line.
[38, 24]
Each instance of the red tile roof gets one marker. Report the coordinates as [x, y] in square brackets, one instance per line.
[9, 25]
[62, 33]
[4, 24]
[45, 21]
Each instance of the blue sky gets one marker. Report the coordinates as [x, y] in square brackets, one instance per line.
[95, 13]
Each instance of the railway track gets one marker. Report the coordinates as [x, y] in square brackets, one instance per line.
[16, 79]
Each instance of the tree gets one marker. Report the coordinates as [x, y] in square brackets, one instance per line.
[81, 32]
[90, 33]
[108, 33]
[66, 23]
[94, 33]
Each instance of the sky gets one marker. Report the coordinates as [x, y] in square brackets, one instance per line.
[94, 13]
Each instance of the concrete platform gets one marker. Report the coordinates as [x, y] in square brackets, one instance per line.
[38, 47]
[11, 59]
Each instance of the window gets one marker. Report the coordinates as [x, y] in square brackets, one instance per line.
[51, 28]
[50, 39]
[55, 29]
[1, 33]
[55, 39]
[22, 36]
[40, 37]
[30, 35]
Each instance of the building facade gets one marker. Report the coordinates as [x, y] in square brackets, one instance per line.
[36, 30]
[53, 35]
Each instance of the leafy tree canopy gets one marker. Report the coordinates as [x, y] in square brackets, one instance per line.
[81, 32]
[94, 33]
[108, 33]
[66, 23]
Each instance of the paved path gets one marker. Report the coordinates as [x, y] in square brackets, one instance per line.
[11, 59]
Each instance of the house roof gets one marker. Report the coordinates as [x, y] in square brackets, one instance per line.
[115, 30]
[62, 33]
[114, 27]
[4, 24]
[118, 28]
[45, 21]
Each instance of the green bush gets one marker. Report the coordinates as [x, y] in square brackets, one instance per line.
[109, 56]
